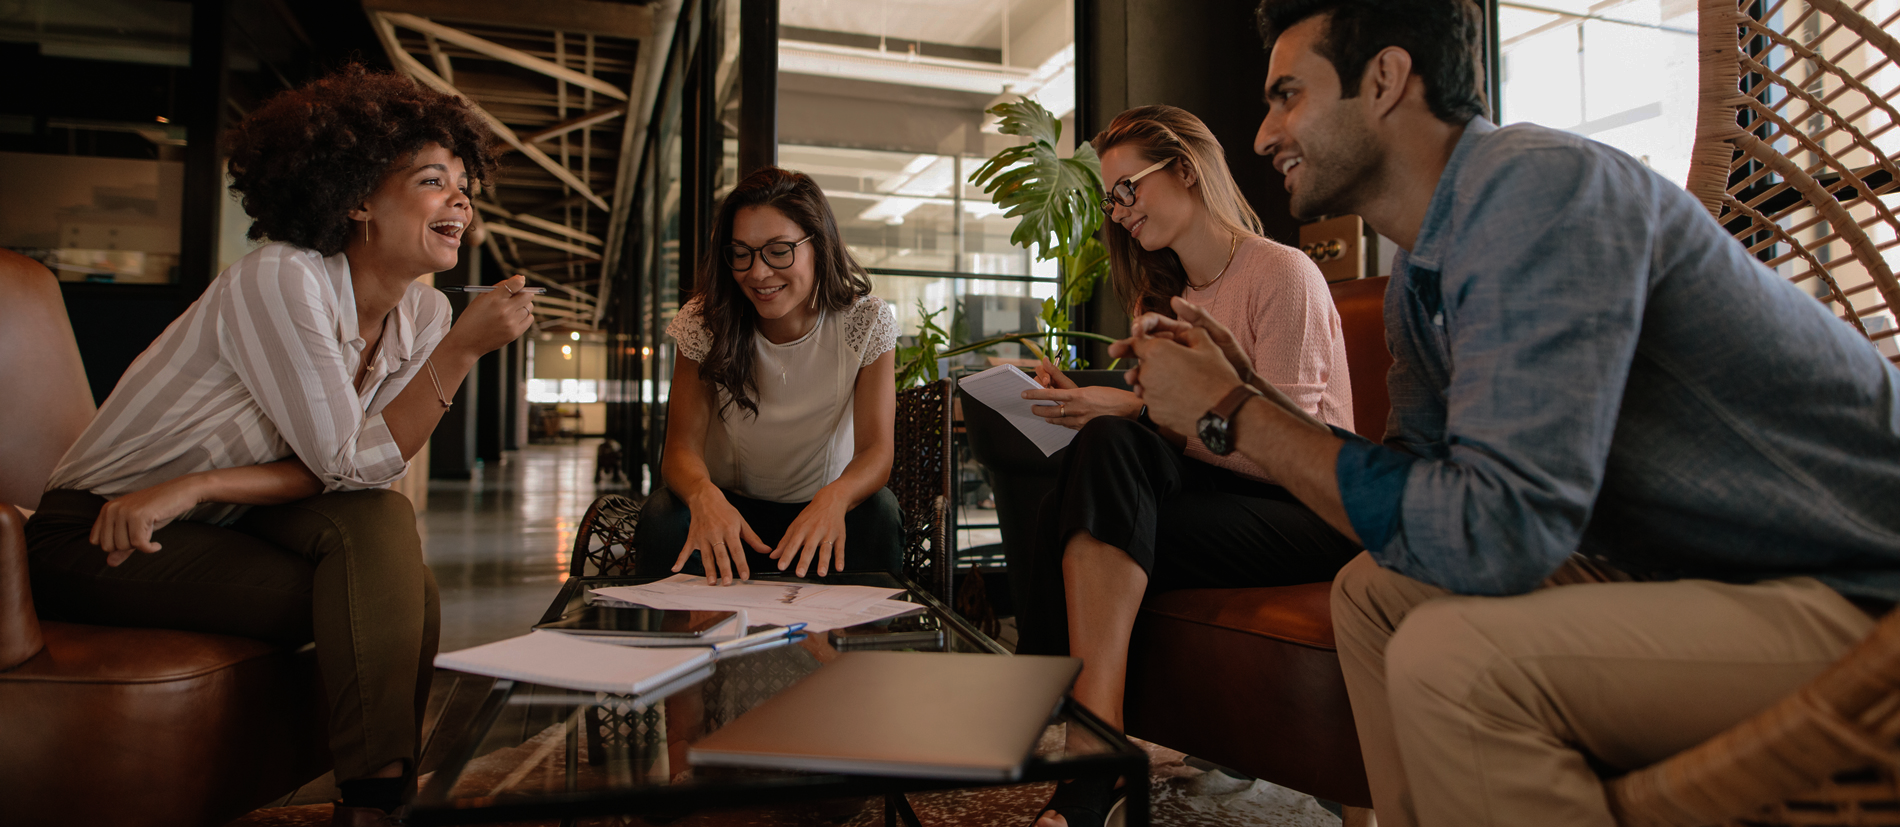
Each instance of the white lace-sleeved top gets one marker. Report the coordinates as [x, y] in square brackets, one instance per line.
[802, 437]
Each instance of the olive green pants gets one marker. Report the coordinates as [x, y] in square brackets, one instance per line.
[342, 569]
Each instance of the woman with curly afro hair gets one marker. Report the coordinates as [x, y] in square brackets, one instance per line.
[236, 480]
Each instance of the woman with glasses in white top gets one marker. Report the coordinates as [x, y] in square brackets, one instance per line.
[783, 403]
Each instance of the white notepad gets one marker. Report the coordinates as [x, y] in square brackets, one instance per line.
[569, 662]
[1001, 388]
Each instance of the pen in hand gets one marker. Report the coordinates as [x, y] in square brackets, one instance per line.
[486, 288]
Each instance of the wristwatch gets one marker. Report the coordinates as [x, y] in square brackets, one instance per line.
[1216, 428]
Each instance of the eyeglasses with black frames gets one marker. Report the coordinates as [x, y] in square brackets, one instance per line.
[1123, 192]
[778, 255]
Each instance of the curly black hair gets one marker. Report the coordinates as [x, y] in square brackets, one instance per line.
[308, 156]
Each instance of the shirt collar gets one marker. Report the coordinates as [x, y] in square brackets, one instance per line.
[1426, 252]
[337, 267]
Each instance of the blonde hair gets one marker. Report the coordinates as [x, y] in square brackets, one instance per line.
[1144, 279]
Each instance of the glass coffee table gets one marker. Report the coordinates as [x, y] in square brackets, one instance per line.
[537, 753]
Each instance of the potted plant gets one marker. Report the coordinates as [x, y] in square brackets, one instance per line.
[1057, 200]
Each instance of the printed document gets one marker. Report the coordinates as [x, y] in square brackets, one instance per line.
[821, 607]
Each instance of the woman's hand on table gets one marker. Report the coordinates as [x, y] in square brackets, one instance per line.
[816, 538]
[720, 535]
[126, 523]
[1072, 407]
[495, 318]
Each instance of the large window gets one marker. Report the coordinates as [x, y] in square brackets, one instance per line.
[1622, 72]
[883, 104]
[92, 137]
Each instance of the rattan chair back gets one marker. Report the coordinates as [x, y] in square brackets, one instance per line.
[1794, 153]
[1797, 128]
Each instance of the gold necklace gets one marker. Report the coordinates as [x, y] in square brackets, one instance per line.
[1235, 245]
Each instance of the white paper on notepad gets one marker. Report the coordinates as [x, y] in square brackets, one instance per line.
[1001, 388]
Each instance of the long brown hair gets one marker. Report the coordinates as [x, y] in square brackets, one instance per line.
[837, 278]
[1147, 280]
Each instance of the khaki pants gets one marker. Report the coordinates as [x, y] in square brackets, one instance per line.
[1503, 710]
[343, 569]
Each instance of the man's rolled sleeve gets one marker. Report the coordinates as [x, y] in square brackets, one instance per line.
[1372, 488]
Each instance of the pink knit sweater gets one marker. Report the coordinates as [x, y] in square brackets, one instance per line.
[1277, 304]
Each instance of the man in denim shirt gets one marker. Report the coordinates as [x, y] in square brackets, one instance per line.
[1593, 384]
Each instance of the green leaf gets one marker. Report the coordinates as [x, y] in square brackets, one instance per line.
[1057, 199]
[1083, 271]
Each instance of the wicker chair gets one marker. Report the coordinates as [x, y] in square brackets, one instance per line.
[1830, 753]
[920, 477]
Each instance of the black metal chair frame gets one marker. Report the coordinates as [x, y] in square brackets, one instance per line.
[920, 477]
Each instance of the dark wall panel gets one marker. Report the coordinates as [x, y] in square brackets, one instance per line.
[1204, 57]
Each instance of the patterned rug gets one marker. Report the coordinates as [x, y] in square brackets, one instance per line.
[1182, 796]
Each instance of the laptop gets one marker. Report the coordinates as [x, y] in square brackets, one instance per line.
[910, 714]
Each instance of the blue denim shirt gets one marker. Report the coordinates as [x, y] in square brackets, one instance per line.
[1586, 362]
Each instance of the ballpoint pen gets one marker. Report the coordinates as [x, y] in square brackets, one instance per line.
[487, 288]
[774, 643]
[782, 633]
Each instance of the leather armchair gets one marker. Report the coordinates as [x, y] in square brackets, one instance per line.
[1249, 678]
[105, 725]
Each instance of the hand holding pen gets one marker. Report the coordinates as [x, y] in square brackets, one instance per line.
[489, 288]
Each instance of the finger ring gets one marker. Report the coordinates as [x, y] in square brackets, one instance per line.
[1062, 409]
[513, 292]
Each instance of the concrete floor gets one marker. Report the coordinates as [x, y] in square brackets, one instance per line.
[499, 542]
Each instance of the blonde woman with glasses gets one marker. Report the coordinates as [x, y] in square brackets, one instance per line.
[1137, 506]
[783, 403]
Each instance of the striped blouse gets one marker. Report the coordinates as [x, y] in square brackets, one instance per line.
[255, 371]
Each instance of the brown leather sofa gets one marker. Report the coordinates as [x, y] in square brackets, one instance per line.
[1249, 678]
[103, 725]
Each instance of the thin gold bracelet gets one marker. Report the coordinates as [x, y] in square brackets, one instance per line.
[446, 404]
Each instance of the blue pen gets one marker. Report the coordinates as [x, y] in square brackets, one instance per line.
[767, 636]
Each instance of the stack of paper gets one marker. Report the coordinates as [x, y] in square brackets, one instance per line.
[821, 607]
[566, 661]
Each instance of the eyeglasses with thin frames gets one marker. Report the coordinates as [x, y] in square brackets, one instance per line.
[778, 255]
[1123, 192]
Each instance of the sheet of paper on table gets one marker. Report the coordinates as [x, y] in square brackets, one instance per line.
[821, 607]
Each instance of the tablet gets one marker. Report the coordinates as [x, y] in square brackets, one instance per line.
[638, 622]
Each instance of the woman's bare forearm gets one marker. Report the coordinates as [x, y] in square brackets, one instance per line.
[414, 413]
[273, 483]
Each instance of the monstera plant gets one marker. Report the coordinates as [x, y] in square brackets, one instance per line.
[1057, 201]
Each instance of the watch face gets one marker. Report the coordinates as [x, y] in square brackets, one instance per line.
[1212, 430]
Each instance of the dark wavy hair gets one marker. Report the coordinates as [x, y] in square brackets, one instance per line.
[837, 278]
[1443, 37]
[1147, 279]
[308, 156]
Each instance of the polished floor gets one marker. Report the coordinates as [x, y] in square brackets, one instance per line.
[499, 542]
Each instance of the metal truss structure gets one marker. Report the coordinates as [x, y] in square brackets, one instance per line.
[566, 90]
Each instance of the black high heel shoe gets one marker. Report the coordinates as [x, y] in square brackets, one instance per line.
[1087, 802]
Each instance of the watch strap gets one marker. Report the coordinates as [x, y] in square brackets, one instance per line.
[1229, 405]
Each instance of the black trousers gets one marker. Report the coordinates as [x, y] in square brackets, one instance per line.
[342, 569]
[874, 532]
[1187, 523]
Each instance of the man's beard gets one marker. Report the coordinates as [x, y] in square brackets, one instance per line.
[1339, 173]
